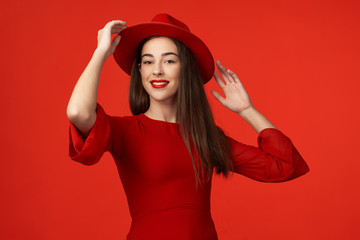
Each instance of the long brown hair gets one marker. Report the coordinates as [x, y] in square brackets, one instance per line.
[193, 113]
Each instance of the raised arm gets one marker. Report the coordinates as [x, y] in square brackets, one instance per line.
[81, 109]
[237, 100]
[276, 159]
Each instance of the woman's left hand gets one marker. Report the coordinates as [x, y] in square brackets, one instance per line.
[236, 98]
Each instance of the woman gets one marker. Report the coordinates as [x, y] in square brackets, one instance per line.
[171, 143]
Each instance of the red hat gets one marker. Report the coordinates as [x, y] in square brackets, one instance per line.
[168, 26]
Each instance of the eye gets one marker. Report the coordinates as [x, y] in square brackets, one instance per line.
[170, 61]
[147, 62]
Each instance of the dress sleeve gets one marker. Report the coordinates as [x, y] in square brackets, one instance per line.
[275, 160]
[88, 151]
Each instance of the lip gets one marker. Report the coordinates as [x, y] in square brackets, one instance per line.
[159, 85]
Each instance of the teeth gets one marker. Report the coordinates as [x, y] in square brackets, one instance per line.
[159, 83]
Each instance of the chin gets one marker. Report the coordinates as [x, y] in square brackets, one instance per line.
[162, 97]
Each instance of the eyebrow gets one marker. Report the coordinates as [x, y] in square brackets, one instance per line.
[164, 54]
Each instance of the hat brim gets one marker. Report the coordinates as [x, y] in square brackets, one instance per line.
[125, 52]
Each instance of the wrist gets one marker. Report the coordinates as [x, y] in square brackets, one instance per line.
[247, 112]
[100, 55]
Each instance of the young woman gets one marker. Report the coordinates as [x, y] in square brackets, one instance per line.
[167, 150]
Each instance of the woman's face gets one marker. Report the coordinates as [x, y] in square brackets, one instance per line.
[160, 69]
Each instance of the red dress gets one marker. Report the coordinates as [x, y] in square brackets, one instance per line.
[158, 176]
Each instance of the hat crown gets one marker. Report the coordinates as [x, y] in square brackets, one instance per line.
[166, 18]
[165, 25]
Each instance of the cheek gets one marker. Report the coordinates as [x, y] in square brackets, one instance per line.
[141, 73]
[145, 86]
[176, 72]
[144, 71]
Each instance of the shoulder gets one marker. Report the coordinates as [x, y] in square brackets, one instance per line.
[134, 125]
[125, 121]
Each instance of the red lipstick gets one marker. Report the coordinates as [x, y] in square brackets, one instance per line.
[159, 83]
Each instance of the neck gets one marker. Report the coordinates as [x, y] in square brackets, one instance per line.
[163, 111]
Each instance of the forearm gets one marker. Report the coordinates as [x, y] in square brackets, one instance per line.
[83, 99]
[256, 120]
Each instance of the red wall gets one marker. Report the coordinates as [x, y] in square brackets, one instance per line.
[298, 61]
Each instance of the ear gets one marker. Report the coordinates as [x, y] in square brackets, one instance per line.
[139, 66]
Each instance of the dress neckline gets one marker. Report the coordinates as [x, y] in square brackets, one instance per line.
[158, 121]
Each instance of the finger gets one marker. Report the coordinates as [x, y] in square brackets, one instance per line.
[116, 30]
[234, 76]
[218, 96]
[224, 73]
[117, 22]
[119, 26]
[115, 42]
[221, 70]
[227, 74]
[218, 80]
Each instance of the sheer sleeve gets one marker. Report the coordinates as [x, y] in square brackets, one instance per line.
[275, 160]
[88, 151]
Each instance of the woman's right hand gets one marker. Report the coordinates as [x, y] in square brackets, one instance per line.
[105, 44]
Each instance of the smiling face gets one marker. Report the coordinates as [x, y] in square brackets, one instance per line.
[160, 69]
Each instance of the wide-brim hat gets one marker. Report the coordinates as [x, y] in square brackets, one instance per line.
[168, 26]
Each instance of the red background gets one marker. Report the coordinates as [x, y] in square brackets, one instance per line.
[298, 61]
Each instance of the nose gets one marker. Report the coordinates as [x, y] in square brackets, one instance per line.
[158, 70]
